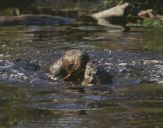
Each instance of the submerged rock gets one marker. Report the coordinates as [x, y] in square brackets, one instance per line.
[19, 70]
[34, 20]
[126, 67]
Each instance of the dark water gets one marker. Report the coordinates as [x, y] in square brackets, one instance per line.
[29, 99]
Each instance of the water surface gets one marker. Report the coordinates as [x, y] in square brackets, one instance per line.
[28, 98]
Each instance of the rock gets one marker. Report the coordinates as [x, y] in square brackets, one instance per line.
[148, 14]
[34, 20]
[96, 74]
[113, 16]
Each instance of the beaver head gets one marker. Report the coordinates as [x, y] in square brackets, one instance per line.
[74, 62]
[57, 70]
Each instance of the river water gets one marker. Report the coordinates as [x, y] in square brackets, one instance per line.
[29, 99]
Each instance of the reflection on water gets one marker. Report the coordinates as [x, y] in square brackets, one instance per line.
[38, 102]
[19, 40]
[130, 106]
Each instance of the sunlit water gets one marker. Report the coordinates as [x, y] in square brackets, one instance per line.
[29, 99]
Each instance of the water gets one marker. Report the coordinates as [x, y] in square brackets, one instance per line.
[29, 99]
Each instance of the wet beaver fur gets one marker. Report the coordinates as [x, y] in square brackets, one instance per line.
[75, 65]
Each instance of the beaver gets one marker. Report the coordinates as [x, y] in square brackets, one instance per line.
[74, 62]
[57, 71]
[70, 66]
[75, 65]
